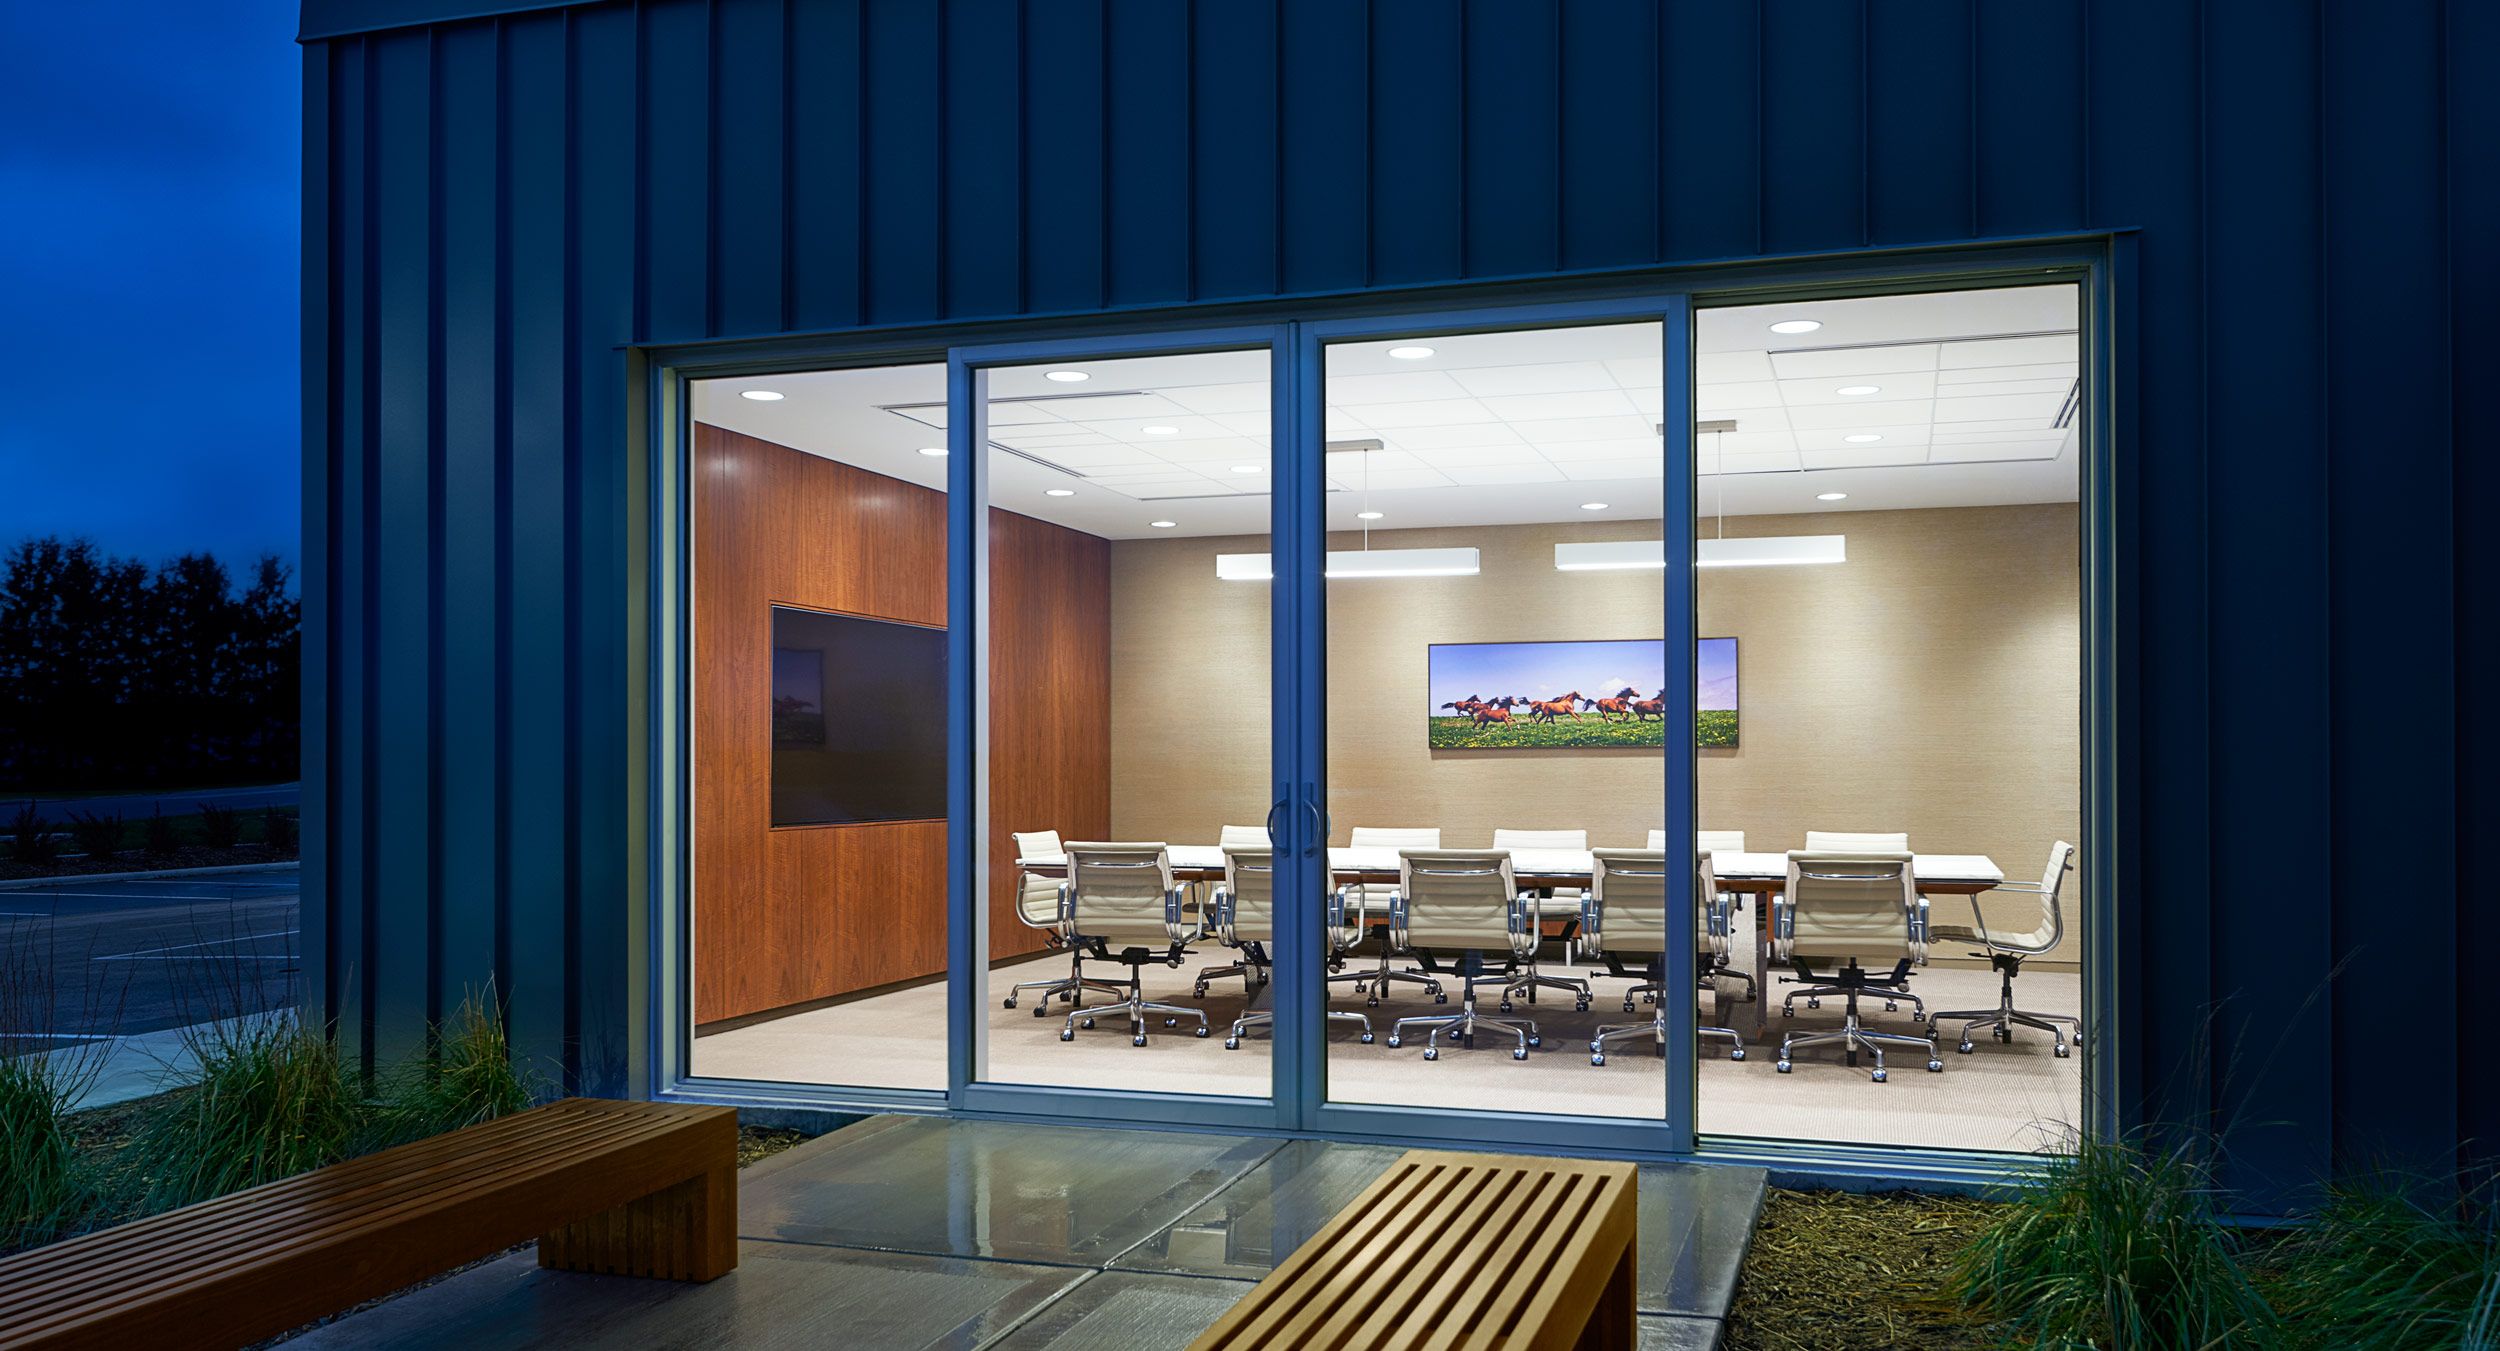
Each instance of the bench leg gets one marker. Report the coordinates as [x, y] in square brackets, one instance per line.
[1615, 1324]
[688, 1232]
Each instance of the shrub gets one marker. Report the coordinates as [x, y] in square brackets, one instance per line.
[220, 827]
[2381, 1268]
[2117, 1246]
[274, 1099]
[31, 840]
[46, 1186]
[98, 836]
[278, 831]
[465, 1076]
[161, 838]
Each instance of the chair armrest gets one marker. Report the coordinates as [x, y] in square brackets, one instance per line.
[1783, 927]
[1919, 928]
[1222, 904]
[1592, 920]
[1722, 924]
[1337, 932]
[1399, 933]
[1526, 923]
[1067, 907]
[1176, 917]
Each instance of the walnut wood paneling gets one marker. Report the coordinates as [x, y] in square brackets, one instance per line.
[789, 916]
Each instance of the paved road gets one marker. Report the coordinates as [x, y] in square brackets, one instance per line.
[136, 806]
[136, 956]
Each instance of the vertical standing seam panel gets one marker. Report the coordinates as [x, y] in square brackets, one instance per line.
[1146, 101]
[317, 989]
[2389, 589]
[903, 193]
[826, 98]
[1606, 133]
[2273, 827]
[747, 58]
[1919, 74]
[1418, 163]
[1233, 127]
[1813, 151]
[468, 356]
[536, 535]
[2029, 116]
[360, 606]
[983, 197]
[1509, 121]
[1711, 138]
[1323, 131]
[2472, 136]
[679, 257]
[1061, 251]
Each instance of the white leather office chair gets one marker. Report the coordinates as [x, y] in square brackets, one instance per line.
[1245, 837]
[1245, 920]
[1037, 905]
[1840, 911]
[1875, 842]
[1712, 841]
[2006, 950]
[1253, 967]
[1124, 897]
[1626, 915]
[1567, 897]
[1462, 901]
[1363, 903]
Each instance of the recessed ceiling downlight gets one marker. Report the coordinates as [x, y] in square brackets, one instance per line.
[1854, 391]
[1861, 438]
[1163, 525]
[1796, 325]
[762, 395]
[1066, 377]
[1831, 497]
[1593, 506]
[1163, 431]
[933, 450]
[1058, 492]
[1410, 353]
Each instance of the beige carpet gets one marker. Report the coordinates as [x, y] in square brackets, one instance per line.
[2000, 1097]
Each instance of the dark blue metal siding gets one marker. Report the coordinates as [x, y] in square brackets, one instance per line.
[503, 205]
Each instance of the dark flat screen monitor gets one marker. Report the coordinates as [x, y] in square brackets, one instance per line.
[859, 720]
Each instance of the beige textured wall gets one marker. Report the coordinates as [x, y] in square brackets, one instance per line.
[1930, 684]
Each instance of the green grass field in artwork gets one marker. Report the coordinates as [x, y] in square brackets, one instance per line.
[1717, 728]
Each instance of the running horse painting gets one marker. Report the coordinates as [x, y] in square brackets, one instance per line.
[1550, 706]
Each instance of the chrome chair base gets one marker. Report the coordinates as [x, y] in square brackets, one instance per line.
[1136, 1006]
[1891, 995]
[1529, 983]
[1376, 982]
[2004, 1018]
[1232, 1039]
[1657, 1028]
[1071, 987]
[1854, 1038]
[1461, 1027]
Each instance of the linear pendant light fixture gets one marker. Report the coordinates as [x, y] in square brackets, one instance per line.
[1761, 552]
[1359, 563]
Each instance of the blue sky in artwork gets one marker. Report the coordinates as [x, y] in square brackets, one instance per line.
[150, 337]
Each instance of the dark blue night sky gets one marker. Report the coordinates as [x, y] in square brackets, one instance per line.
[148, 185]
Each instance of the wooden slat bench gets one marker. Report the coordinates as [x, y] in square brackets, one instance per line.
[628, 1188]
[1457, 1250]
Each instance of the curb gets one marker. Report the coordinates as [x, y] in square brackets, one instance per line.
[30, 883]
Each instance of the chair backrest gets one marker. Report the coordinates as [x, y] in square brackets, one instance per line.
[1627, 901]
[1250, 885]
[1840, 904]
[1245, 837]
[1733, 841]
[1037, 897]
[1540, 839]
[1396, 837]
[1458, 898]
[1124, 892]
[2052, 927]
[1872, 842]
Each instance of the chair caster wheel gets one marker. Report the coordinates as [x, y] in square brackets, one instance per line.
[1814, 1003]
[1088, 1024]
[1891, 1007]
[1197, 992]
[1787, 1012]
[1533, 1041]
[1372, 1003]
[1067, 1034]
[1043, 1011]
[1232, 1043]
[1877, 1075]
[1581, 1007]
[1367, 1039]
[1505, 1006]
[2059, 1050]
[1011, 1001]
[1782, 1067]
[1171, 1022]
[1597, 1060]
[1519, 1053]
[1965, 1048]
[1199, 1033]
[1393, 1041]
[1935, 1067]
[1138, 1040]
[2006, 1035]
[1432, 1053]
[1627, 1007]
[1439, 998]
[1736, 1053]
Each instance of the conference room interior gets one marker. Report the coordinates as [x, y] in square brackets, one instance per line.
[1886, 499]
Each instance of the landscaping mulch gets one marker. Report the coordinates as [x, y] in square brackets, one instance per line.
[1838, 1271]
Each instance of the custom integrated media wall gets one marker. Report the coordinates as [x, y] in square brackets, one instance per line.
[797, 915]
[1929, 684]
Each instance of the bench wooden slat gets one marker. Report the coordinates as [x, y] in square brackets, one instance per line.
[264, 1261]
[1457, 1250]
[281, 1210]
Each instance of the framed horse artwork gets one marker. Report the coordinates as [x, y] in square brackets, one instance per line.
[1572, 694]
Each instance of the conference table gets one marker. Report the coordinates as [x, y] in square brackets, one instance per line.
[1747, 873]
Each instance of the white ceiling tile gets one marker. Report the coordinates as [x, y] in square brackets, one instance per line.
[1583, 470]
[1951, 433]
[1252, 397]
[1578, 404]
[1046, 434]
[1542, 377]
[1435, 413]
[1971, 452]
[1983, 389]
[1185, 427]
[1638, 372]
[1479, 476]
[1259, 423]
[1826, 363]
[1452, 457]
[926, 414]
[2001, 407]
[1585, 429]
[1768, 418]
[1715, 399]
[2009, 351]
[1900, 385]
[1238, 449]
[1713, 368]
[1652, 403]
[1836, 438]
[1097, 457]
[1186, 486]
[2001, 425]
[1342, 423]
[1434, 438]
[1745, 443]
[1349, 464]
[1864, 457]
[1606, 448]
[1787, 463]
[1391, 480]
[1092, 408]
[1355, 391]
[2052, 370]
[1860, 413]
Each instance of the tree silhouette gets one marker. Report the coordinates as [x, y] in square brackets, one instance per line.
[112, 676]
